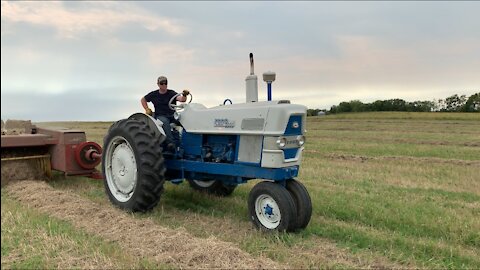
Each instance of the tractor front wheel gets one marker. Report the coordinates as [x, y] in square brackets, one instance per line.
[302, 201]
[271, 207]
[133, 166]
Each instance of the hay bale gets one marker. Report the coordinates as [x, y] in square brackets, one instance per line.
[16, 127]
[24, 169]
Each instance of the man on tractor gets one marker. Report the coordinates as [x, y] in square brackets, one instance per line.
[160, 98]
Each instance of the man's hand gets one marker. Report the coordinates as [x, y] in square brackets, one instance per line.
[148, 111]
[185, 92]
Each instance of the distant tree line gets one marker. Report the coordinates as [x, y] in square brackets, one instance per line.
[453, 103]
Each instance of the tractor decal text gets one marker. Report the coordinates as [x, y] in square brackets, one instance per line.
[223, 122]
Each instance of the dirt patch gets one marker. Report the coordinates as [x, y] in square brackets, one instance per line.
[141, 237]
[396, 141]
[359, 158]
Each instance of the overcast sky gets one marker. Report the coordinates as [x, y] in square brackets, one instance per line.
[96, 60]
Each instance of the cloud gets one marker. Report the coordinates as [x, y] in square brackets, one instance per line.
[94, 17]
[68, 106]
[165, 54]
[104, 53]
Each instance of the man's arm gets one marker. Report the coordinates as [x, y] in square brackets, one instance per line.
[144, 103]
[145, 106]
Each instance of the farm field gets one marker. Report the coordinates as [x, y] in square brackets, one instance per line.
[389, 190]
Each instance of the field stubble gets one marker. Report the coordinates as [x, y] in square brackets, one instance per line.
[389, 190]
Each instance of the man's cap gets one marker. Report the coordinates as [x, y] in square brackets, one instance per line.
[161, 78]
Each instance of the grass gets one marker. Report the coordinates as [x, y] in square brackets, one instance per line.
[412, 199]
[32, 240]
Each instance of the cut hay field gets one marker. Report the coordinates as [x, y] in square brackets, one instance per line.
[389, 190]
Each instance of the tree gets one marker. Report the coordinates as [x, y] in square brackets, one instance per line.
[312, 112]
[378, 106]
[398, 105]
[473, 103]
[344, 107]
[333, 109]
[455, 103]
[420, 106]
[439, 105]
[357, 106]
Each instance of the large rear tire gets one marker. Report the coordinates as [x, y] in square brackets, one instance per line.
[214, 187]
[132, 165]
[271, 207]
[303, 203]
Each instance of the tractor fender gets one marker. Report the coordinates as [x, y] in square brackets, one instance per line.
[154, 124]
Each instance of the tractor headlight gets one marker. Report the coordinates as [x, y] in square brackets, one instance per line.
[301, 140]
[281, 142]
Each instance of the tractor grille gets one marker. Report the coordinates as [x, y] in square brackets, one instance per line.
[294, 126]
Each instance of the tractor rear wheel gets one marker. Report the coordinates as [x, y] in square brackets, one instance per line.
[214, 187]
[271, 207]
[303, 203]
[133, 166]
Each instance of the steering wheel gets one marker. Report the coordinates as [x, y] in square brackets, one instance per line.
[175, 107]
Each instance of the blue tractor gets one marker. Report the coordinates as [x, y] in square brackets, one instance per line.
[219, 148]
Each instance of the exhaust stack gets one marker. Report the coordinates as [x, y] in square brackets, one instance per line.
[251, 84]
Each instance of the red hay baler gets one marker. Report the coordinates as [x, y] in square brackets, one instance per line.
[60, 149]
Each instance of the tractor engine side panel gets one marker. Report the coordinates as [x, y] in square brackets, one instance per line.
[209, 148]
[250, 149]
[192, 145]
[219, 148]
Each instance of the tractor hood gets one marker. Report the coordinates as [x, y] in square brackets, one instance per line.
[266, 118]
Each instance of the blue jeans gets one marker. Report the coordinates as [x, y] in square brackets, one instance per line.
[167, 128]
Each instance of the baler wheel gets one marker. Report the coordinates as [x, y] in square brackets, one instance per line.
[271, 207]
[214, 187]
[133, 166]
[302, 201]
